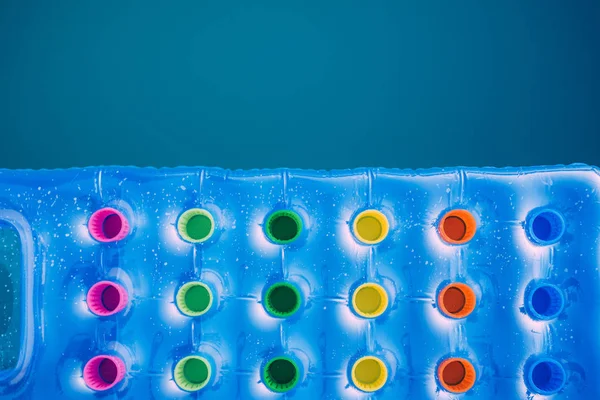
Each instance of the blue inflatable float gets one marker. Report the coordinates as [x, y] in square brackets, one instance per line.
[142, 283]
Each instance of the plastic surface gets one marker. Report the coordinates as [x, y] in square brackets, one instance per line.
[529, 329]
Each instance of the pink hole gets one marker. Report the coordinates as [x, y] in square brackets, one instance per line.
[112, 226]
[108, 225]
[111, 298]
[106, 298]
[108, 370]
[103, 372]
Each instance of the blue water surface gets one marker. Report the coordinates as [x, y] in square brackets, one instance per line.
[301, 84]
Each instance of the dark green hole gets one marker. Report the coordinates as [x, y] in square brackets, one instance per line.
[281, 374]
[197, 298]
[198, 227]
[195, 371]
[284, 226]
[282, 299]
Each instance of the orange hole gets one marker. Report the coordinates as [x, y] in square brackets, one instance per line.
[457, 226]
[456, 375]
[457, 300]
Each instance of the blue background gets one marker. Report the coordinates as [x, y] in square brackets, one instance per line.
[311, 84]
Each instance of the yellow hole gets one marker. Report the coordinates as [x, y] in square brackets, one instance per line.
[369, 374]
[369, 300]
[370, 227]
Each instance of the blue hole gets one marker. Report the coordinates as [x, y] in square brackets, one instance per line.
[542, 228]
[545, 302]
[541, 301]
[545, 226]
[546, 377]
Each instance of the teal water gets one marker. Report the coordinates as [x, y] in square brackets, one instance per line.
[311, 84]
[10, 296]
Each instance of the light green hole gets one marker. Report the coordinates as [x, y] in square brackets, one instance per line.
[192, 373]
[194, 299]
[199, 227]
[196, 225]
[195, 371]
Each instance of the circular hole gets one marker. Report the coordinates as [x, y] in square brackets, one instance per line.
[196, 225]
[457, 300]
[282, 300]
[542, 228]
[370, 227]
[108, 370]
[369, 374]
[192, 373]
[545, 301]
[194, 299]
[110, 298]
[545, 226]
[281, 374]
[111, 226]
[370, 300]
[456, 375]
[454, 300]
[546, 377]
[108, 225]
[283, 226]
[197, 298]
[457, 227]
[106, 298]
[103, 372]
[195, 371]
